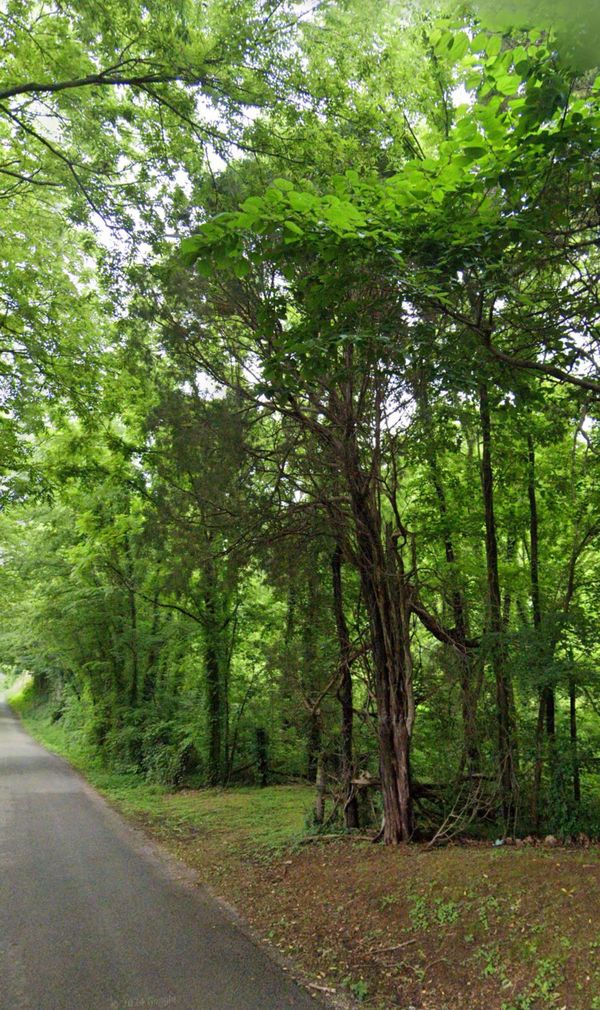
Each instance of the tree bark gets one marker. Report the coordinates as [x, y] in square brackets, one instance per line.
[311, 674]
[213, 669]
[351, 818]
[388, 606]
[466, 660]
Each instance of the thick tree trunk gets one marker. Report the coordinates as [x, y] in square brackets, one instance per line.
[345, 694]
[506, 736]
[387, 603]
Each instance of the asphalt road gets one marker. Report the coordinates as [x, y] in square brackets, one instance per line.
[92, 918]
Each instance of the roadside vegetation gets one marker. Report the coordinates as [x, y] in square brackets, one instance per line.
[481, 926]
[299, 442]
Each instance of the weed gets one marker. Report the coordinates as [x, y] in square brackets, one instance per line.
[419, 912]
[388, 900]
[446, 912]
[358, 988]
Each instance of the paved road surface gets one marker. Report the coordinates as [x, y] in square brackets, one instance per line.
[92, 919]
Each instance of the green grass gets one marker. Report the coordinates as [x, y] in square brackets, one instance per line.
[237, 818]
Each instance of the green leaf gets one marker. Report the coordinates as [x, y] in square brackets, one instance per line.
[473, 152]
[301, 201]
[253, 203]
[493, 45]
[480, 42]
[189, 249]
[241, 268]
[293, 227]
[508, 84]
[204, 267]
[460, 46]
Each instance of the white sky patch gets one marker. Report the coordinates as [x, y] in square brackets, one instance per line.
[460, 96]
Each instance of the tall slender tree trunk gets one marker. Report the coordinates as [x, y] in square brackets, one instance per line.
[465, 659]
[546, 710]
[135, 666]
[345, 693]
[506, 735]
[214, 678]
[311, 674]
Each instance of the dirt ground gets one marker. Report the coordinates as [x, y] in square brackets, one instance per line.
[471, 926]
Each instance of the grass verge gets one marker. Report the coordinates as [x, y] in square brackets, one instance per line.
[474, 927]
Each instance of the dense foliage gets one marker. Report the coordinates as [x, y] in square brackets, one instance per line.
[299, 378]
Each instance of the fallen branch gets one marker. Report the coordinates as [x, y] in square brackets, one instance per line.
[397, 946]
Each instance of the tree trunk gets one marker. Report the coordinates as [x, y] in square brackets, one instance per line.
[539, 764]
[214, 710]
[546, 711]
[387, 602]
[213, 670]
[506, 736]
[310, 678]
[466, 660]
[345, 694]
